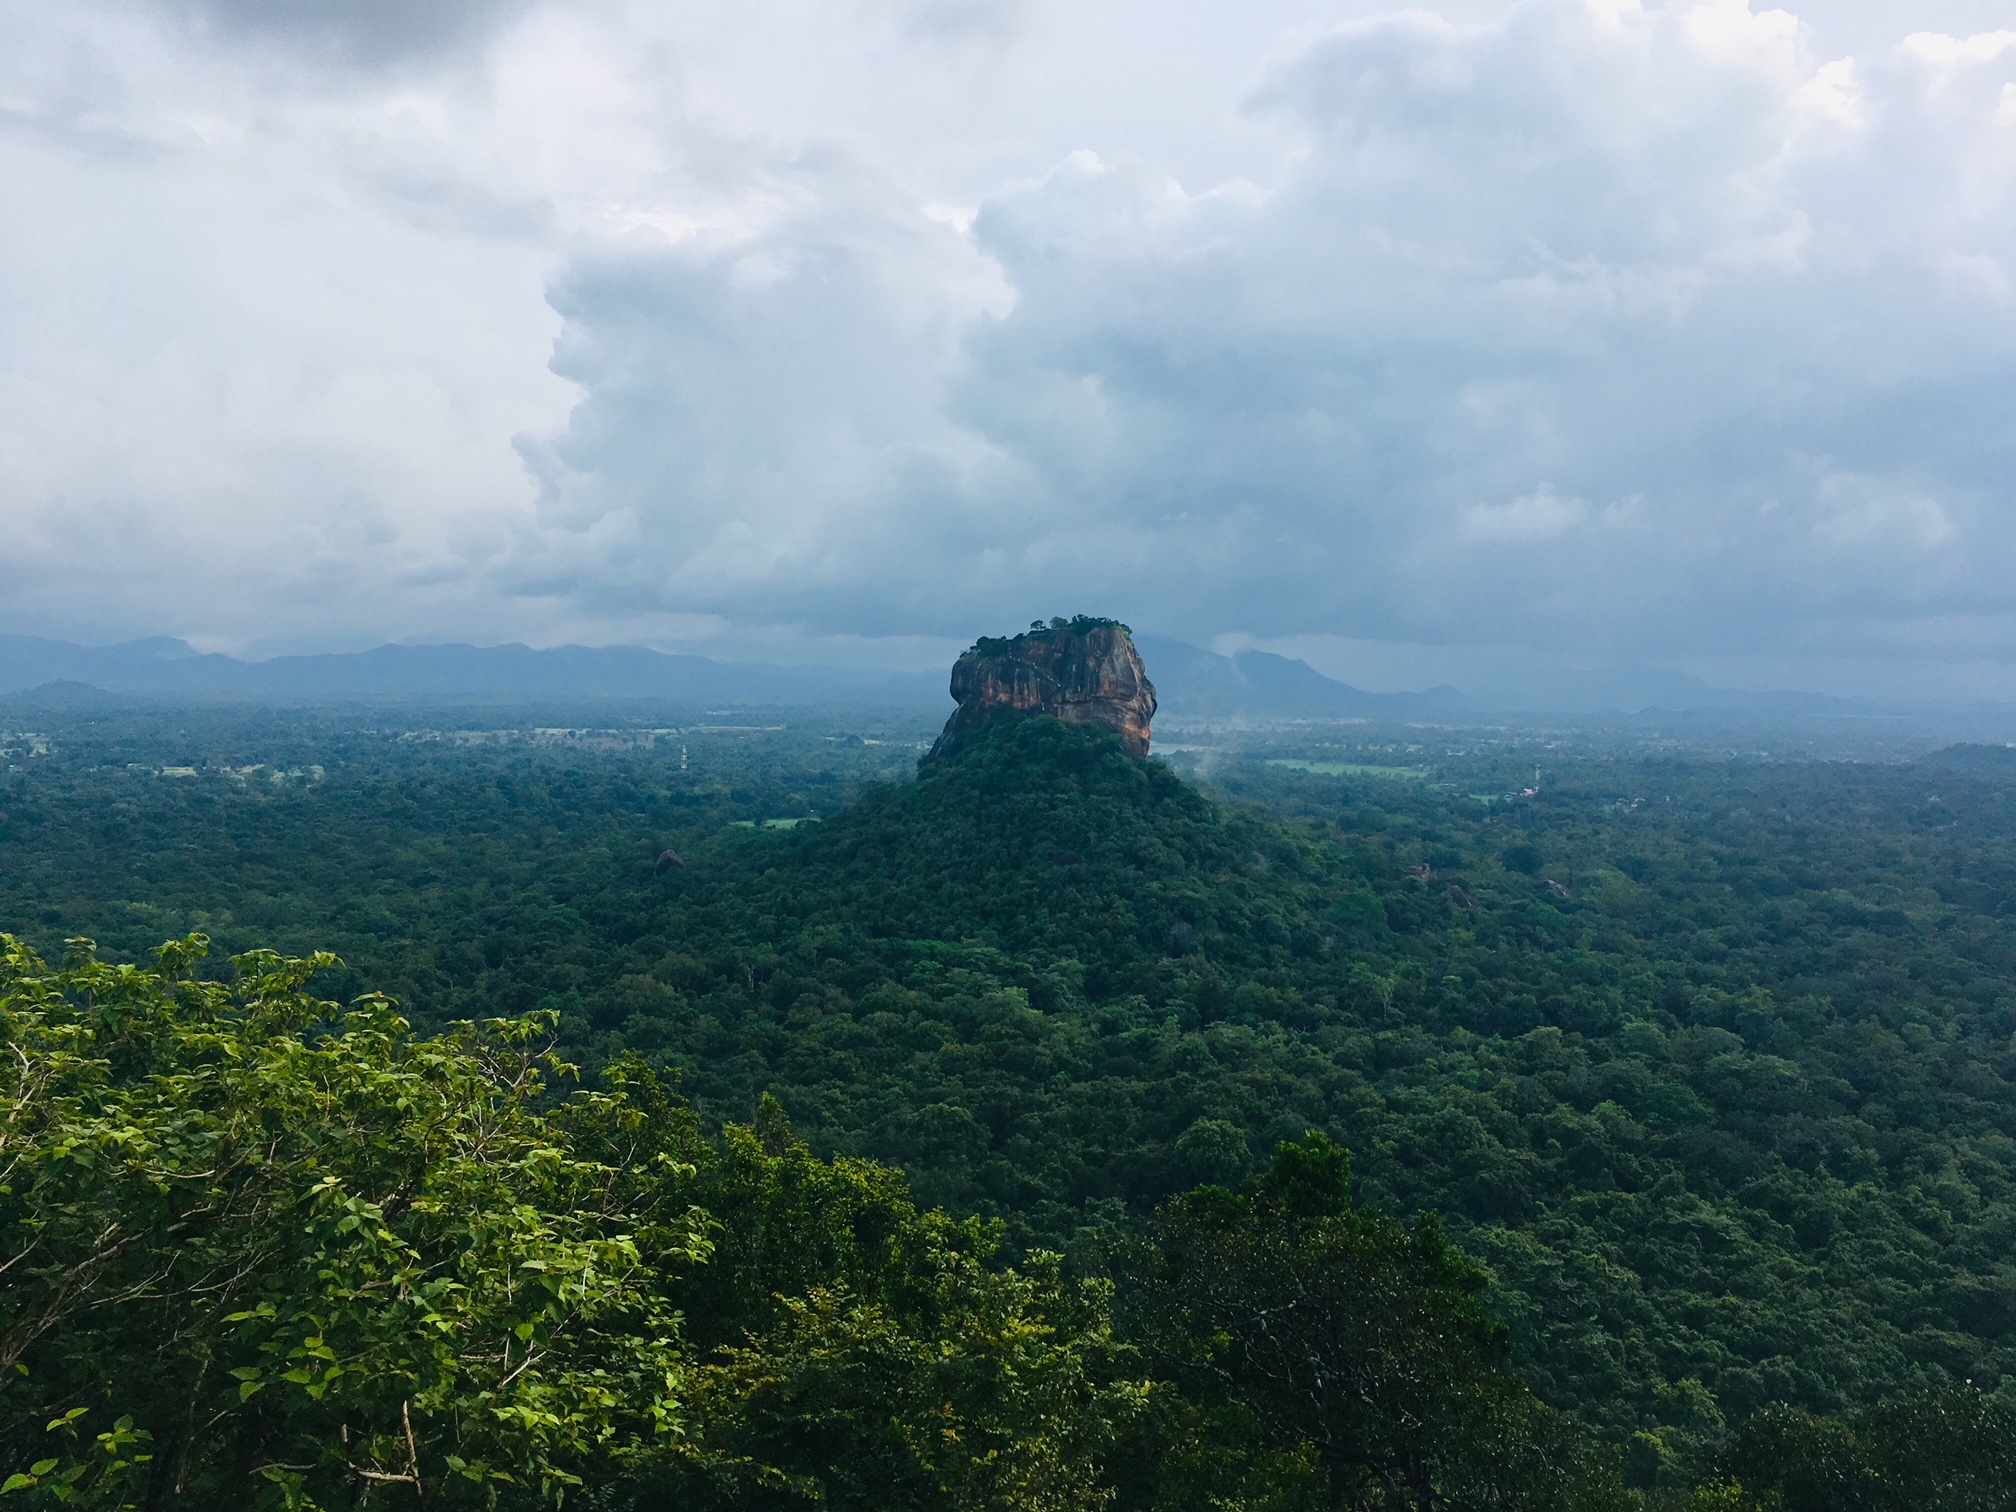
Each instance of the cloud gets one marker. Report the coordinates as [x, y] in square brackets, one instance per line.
[1541, 515]
[762, 434]
[1642, 329]
[352, 33]
[961, 21]
[1675, 330]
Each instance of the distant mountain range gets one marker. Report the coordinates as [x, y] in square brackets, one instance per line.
[165, 668]
[1192, 683]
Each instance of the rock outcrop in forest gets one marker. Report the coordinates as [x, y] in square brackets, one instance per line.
[1082, 670]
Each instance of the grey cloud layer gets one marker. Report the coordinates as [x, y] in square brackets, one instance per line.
[1649, 331]
[353, 33]
[1671, 332]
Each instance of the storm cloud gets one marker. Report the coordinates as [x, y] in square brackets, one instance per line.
[1671, 332]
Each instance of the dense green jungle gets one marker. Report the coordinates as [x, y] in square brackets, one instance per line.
[1314, 1116]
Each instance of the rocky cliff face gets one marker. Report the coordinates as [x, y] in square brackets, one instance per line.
[1083, 670]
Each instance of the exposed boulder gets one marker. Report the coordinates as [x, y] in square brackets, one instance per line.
[1084, 670]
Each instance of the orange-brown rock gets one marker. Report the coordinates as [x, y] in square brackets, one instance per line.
[1084, 671]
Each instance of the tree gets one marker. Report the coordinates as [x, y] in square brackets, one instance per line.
[260, 1249]
[1349, 1342]
[871, 1356]
[1950, 1448]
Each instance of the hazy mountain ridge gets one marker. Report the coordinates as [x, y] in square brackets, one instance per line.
[164, 667]
[1191, 682]
[1195, 683]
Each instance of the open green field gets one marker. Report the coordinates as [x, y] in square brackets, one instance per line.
[1350, 769]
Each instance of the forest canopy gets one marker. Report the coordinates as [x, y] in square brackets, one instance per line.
[1703, 1065]
[988, 646]
[263, 1249]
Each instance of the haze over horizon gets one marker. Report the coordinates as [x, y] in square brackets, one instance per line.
[1416, 343]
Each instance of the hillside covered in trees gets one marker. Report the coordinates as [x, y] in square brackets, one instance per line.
[1704, 1064]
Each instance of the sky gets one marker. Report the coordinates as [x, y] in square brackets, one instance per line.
[1415, 341]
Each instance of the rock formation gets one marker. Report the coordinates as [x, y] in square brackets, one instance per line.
[1082, 670]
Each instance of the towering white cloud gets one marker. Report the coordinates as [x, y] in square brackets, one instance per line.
[1649, 328]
